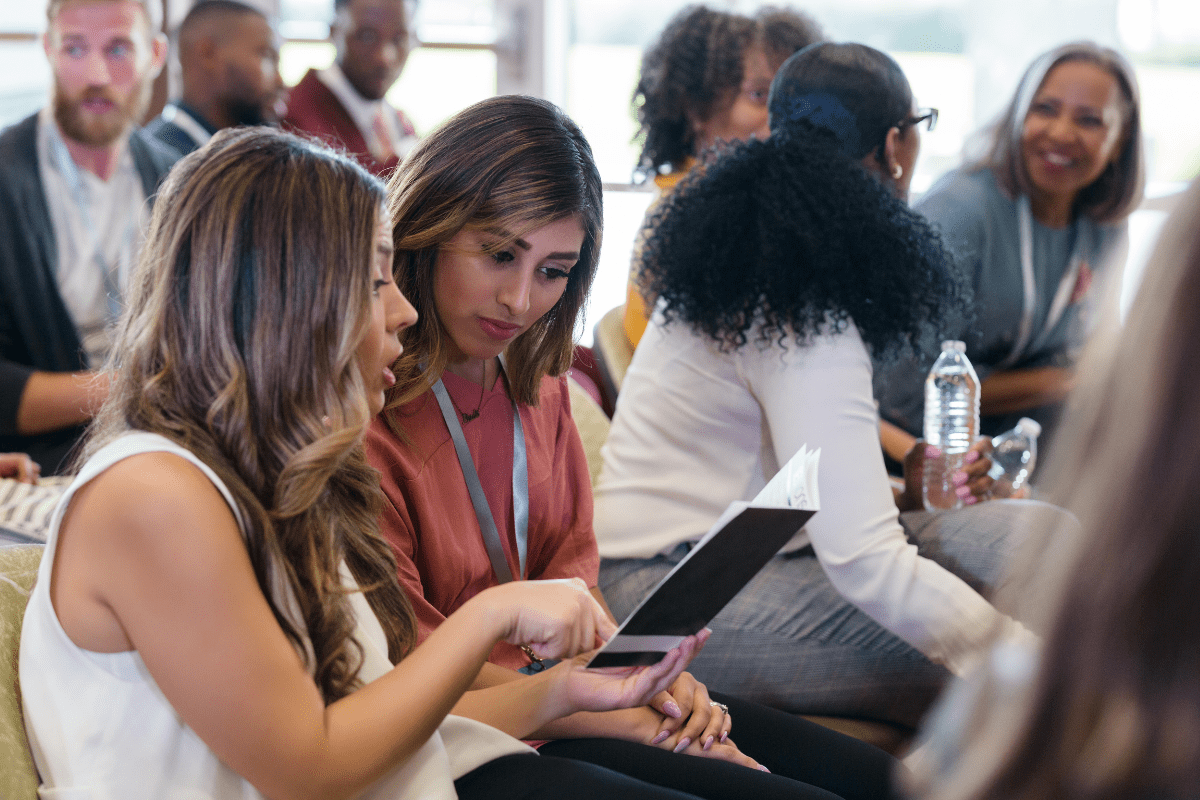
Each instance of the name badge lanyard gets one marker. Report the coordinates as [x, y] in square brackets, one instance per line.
[483, 512]
[80, 198]
[1062, 297]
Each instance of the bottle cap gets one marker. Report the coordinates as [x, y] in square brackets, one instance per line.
[953, 344]
[1030, 427]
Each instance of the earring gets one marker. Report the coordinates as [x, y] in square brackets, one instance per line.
[897, 171]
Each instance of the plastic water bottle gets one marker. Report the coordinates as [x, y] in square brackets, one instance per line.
[951, 422]
[1014, 455]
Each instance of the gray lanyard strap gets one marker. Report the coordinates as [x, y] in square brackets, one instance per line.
[483, 513]
[1062, 297]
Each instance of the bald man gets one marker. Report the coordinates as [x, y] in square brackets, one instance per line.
[229, 55]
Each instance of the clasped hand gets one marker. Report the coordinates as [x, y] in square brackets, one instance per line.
[680, 717]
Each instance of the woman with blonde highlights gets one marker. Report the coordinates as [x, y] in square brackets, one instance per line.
[497, 233]
[216, 615]
[1110, 708]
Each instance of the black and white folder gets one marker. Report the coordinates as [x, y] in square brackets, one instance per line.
[723, 561]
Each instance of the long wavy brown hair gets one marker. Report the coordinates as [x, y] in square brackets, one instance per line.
[512, 164]
[239, 343]
[1113, 711]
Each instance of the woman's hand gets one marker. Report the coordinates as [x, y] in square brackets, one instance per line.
[555, 619]
[725, 751]
[614, 688]
[972, 482]
[690, 715]
[19, 467]
[720, 747]
[642, 724]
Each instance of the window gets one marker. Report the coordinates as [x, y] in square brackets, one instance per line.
[456, 65]
[962, 56]
[24, 73]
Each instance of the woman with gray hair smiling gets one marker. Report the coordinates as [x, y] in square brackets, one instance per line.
[1029, 223]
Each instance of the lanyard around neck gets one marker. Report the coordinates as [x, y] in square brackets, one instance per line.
[483, 512]
[1062, 296]
[81, 200]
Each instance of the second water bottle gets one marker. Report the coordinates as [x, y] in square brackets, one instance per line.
[951, 422]
[1014, 455]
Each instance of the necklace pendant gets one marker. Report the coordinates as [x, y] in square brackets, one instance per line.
[468, 416]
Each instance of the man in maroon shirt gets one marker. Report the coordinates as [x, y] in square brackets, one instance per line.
[345, 103]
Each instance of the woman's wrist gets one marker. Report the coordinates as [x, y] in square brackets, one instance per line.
[557, 695]
[529, 707]
[638, 724]
[490, 614]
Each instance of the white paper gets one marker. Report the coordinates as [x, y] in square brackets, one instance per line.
[795, 485]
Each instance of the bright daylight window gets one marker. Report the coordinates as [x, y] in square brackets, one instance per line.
[456, 69]
[962, 56]
[24, 73]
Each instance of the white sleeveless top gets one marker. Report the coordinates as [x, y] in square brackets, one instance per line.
[100, 728]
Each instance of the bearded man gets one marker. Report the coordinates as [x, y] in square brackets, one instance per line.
[229, 61]
[75, 179]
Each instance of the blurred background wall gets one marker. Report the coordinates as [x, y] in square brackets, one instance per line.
[962, 56]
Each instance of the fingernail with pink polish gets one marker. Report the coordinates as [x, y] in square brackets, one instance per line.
[671, 709]
[963, 491]
[662, 737]
[959, 478]
[724, 736]
[764, 769]
[971, 457]
[707, 743]
[932, 451]
[683, 743]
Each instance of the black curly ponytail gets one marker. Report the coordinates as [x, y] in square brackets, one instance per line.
[790, 238]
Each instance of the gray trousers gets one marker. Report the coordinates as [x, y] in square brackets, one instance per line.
[789, 640]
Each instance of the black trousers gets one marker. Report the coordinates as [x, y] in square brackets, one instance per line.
[530, 777]
[806, 760]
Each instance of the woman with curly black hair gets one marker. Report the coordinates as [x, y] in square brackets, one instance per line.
[706, 80]
[781, 266]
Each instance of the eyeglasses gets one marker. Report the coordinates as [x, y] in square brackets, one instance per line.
[927, 115]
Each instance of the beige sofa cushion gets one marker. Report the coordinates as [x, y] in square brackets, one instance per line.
[18, 568]
[592, 423]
